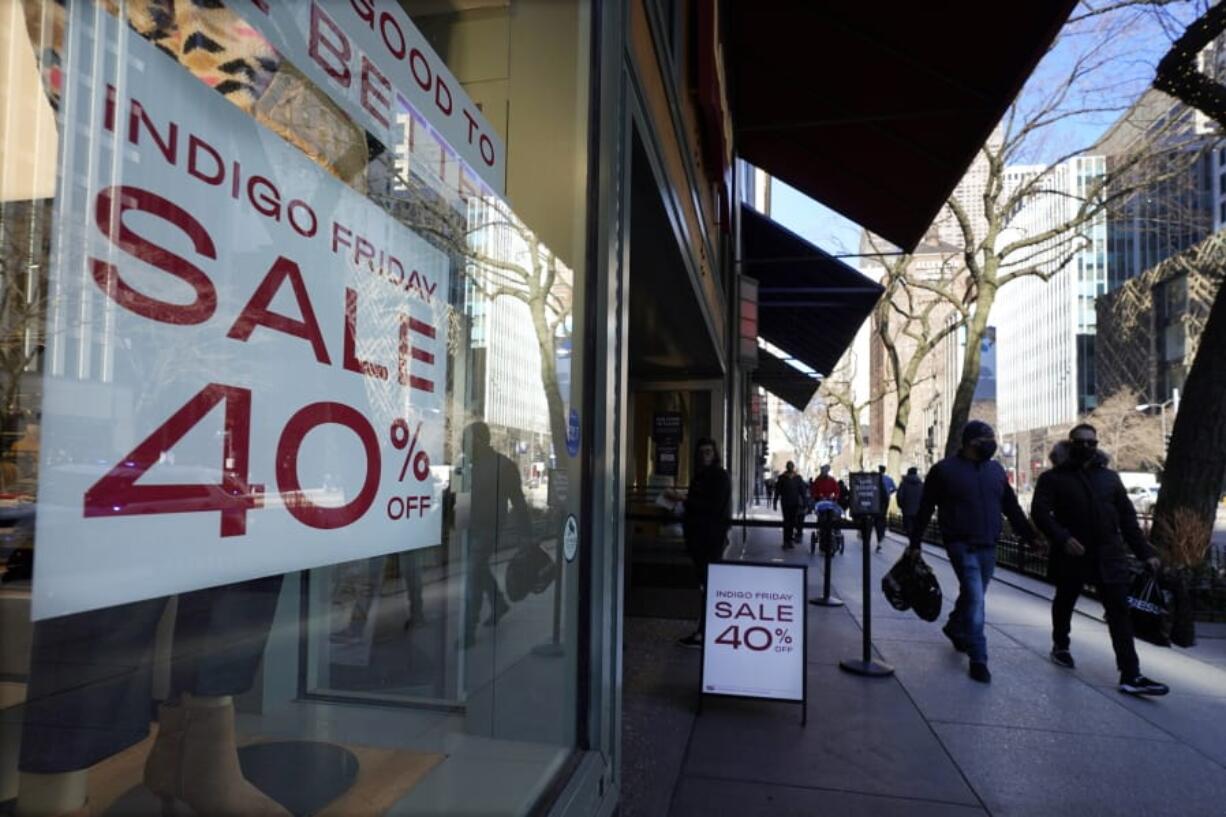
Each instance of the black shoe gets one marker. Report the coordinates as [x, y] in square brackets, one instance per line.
[693, 641]
[789, 546]
[979, 672]
[878, 549]
[1140, 685]
[1063, 658]
[958, 642]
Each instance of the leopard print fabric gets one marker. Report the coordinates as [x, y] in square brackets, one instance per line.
[207, 38]
[211, 41]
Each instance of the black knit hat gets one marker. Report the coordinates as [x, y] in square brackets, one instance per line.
[975, 428]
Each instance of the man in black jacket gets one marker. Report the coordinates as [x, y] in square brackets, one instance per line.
[970, 491]
[910, 492]
[791, 490]
[1083, 510]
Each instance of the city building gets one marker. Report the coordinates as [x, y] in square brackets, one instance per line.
[345, 343]
[1045, 322]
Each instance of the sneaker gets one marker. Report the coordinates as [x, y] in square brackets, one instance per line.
[1063, 658]
[958, 642]
[979, 672]
[1140, 685]
[693, 641]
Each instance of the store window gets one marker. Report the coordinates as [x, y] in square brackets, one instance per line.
[289, 442]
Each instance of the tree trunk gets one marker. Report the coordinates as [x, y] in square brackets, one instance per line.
[1196, 460]
[898, 434]
[960, 412]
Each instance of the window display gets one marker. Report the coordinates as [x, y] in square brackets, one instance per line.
[285, 455]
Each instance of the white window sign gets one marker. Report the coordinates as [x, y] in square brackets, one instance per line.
[246, 359]
[754, 631]
[369, 57]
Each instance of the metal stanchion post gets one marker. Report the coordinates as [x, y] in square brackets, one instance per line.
[865, 665]
[826, 538]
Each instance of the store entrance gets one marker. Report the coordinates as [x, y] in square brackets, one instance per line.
[675, 398]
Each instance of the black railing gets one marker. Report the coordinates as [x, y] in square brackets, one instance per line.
[1208, 582]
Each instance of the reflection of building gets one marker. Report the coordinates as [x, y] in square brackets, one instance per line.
[1149, 328]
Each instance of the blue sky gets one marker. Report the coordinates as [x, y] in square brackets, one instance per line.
[1138, 41]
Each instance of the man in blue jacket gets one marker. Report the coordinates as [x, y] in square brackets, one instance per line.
[970, 491]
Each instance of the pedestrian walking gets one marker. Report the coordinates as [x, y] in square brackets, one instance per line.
[790, 493]
[910, 491]
[707, 517]
[1082, 508]
[887, 490]
[969, 491]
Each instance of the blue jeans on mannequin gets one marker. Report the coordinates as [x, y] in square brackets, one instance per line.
[974, 566]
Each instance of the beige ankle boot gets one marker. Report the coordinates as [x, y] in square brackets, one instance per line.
[194, 762]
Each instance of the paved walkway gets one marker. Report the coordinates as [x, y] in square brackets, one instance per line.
[1040, 740]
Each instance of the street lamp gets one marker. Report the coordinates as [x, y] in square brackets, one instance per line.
[1173, 403]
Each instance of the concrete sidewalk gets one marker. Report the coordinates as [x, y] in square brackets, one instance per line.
[1040, 740]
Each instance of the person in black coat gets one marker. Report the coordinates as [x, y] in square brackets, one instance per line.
[792, 492]
[708, 515]
[970, 492]
[1082, 508]
[910, 491]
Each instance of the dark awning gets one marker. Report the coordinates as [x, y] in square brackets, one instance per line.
[810, 304]
[877, 111]
[781, 379]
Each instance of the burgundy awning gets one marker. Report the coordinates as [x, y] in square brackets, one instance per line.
[876, 110]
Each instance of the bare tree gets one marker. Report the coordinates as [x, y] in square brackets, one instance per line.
[845, 407]
[923, 304]
[806, 431]
[1085, 83]
[1133, 439]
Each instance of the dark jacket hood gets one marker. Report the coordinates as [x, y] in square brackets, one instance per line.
[914, 479]
[1060, 456]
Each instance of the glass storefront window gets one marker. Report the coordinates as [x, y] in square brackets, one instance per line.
[289, 444]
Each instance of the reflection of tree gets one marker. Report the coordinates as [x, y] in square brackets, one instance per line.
[500, 258]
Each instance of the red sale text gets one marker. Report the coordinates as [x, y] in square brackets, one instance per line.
[409, 361]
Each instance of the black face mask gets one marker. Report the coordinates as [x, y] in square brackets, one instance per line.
[984, 449]
[1081, 453]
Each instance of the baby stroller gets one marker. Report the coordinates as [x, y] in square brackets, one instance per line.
[830, 538]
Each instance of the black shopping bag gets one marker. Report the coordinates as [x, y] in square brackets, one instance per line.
[1150, 608]
[911, 584]
[1183, 624]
